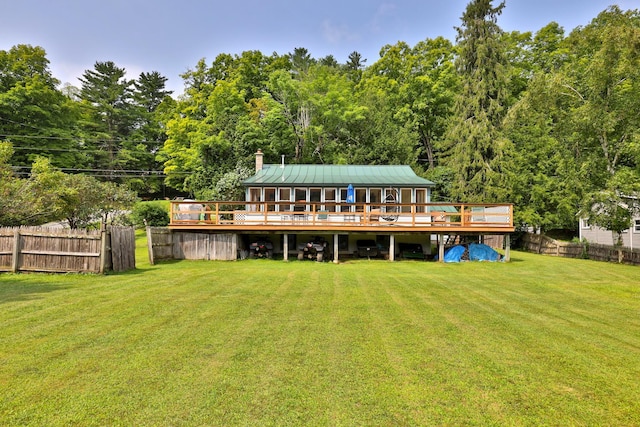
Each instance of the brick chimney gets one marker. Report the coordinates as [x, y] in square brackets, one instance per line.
[259, 160]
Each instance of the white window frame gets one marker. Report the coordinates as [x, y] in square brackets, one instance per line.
[344, 206]
[273, 207]
[316, 203]
[403, 192]
[336, 194]
[284, 208]
[255, 203]
[380, 192]
[296, 199]
[358, 192]
[417, 191]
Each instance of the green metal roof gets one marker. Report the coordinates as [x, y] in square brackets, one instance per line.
[336, 175]
[442, 208]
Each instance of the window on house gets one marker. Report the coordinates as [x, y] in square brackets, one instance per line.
[375, 197]
[285, 196]
[270, 196]
[301, 199]
[421, 197]
[329, 198]
[636, 226]
[405, 199]
[584, 224]
[254, 196]
[344, 207]
[314, 197]
[361, 198]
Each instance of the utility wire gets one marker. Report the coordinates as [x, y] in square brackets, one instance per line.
[26, 174]
[71, 150]
[97, 170]
[71, 138]
[103, 172]
[21, 124]
[83, 139]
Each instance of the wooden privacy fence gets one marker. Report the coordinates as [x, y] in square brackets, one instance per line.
[45, 249]
[164, 243]
[541, 244]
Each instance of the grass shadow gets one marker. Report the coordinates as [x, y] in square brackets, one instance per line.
[13, 289]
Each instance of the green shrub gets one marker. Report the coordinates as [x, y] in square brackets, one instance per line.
[152, 214]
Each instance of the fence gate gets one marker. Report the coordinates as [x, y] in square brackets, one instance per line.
[123, 248]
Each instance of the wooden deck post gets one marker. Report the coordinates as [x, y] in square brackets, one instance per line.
[336, 247]
[507, 247]
[285, 246]
[392, 247]
[440, 247]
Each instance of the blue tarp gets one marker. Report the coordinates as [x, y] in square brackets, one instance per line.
[454, 254]
[477, 252]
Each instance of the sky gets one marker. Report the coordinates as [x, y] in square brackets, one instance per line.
[171, 36]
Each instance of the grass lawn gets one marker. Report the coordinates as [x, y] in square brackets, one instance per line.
[538, 341]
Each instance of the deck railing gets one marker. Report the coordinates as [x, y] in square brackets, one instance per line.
[224, 214]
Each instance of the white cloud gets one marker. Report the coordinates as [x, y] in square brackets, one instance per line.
[384, 13]
[336, 34]
[67, 72]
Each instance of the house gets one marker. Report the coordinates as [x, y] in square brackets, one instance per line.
[627, 206]
[593, 234]
[289, 205]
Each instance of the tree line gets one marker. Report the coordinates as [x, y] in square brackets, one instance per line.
[546, 120]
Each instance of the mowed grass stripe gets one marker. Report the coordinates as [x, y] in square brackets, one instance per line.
[537, 341]
[483, 315]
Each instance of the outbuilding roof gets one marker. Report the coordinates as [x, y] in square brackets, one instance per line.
[337, 175]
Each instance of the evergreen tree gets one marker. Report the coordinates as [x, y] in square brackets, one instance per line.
[354, 66]
[149, 131]
[150, 90]
[301, 60]
[108, 114]
[474, 140]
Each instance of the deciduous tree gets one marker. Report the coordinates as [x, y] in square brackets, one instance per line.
[34, 115]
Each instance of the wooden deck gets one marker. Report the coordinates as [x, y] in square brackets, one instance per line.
[300, 217]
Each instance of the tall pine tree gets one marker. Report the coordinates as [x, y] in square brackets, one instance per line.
[109, 113]
[474, 142]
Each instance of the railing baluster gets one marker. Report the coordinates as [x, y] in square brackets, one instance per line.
[411, 216]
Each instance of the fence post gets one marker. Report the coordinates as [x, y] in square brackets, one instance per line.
[15, 263]
[103, 249]
[540, 244]
[150, 246]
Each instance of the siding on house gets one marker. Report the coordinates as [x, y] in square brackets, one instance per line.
[630, 238]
